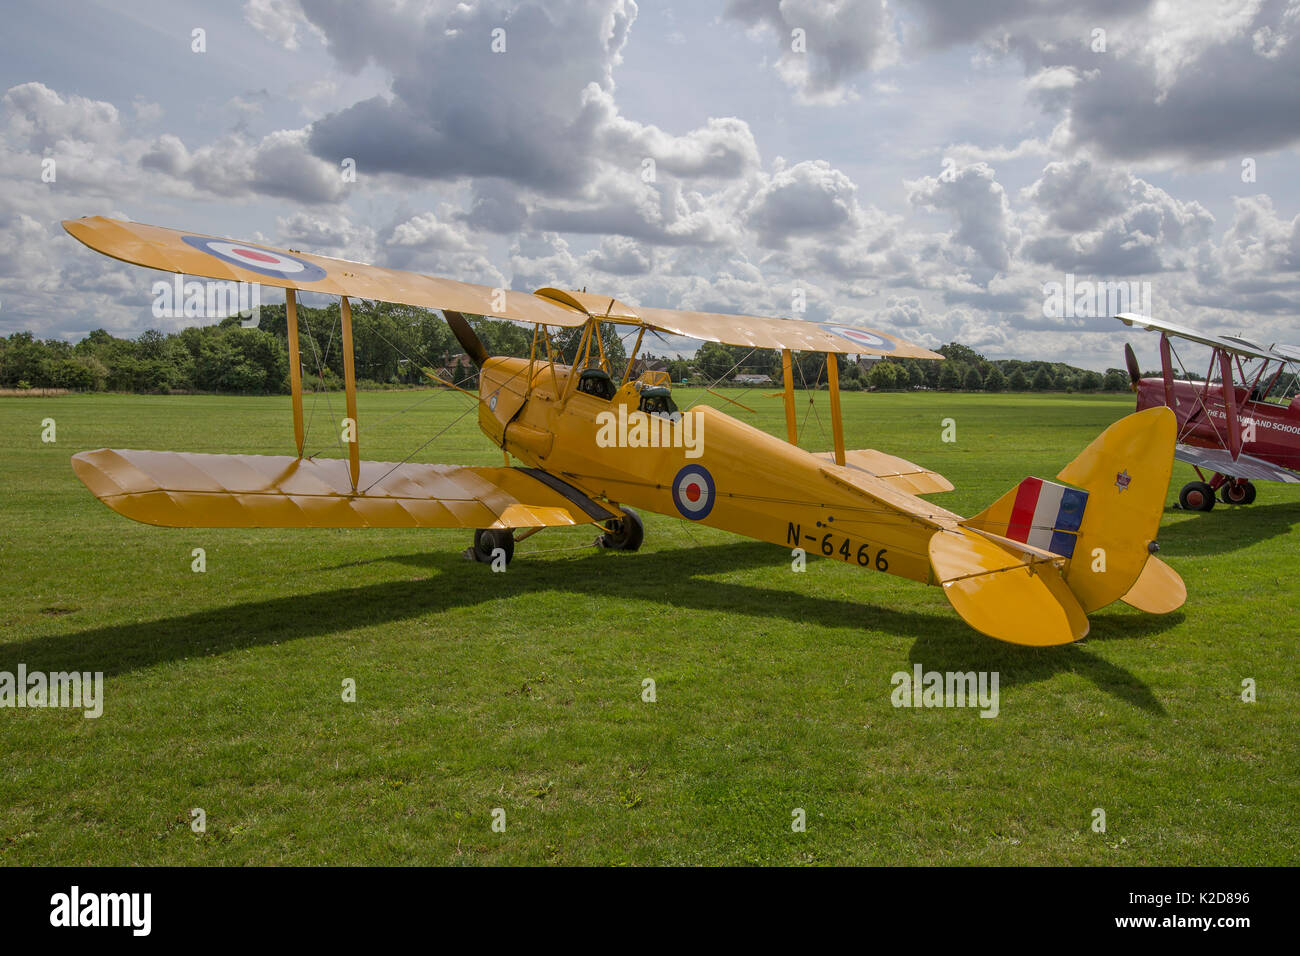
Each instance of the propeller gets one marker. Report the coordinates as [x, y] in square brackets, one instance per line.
[1134, 370]
[465, 336]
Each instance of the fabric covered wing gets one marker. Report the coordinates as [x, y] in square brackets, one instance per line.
[182, 490]
[770, 333]
[1233, 344]
[172, 250]
[1245, 466]
[899, 472]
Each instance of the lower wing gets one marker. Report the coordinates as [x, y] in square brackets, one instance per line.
[899, 472]
[182, 490]
[1244, 466]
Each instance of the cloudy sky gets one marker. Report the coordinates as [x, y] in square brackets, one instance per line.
[920, 166]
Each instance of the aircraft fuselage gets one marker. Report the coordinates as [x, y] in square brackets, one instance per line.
[1202, 419]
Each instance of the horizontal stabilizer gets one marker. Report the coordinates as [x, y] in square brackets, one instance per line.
[1011, 597]
[1158, 589]
[899, 472]
[182, 490]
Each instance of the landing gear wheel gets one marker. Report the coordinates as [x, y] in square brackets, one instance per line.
[1237, 493]
[486, 542]
[623, 534]
[1196, 496]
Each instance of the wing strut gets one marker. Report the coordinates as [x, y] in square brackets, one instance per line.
[1229, 404]
[350, 392]
[1167, 369]
[791, 428]
[295, 366]
[837, 423]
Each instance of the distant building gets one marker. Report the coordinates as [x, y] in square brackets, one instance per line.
[653, 365]
[459, 370]
[749, 378]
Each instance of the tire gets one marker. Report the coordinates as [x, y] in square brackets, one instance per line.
[625, 533]
[1196, 496]
[488, 540]
[1237, 493]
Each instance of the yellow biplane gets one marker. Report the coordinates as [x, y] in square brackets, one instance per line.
[595, 443]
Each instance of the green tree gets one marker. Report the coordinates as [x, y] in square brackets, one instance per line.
[963, 354]
[1017, 381]
[714, 361]
[886, 375]
[995, 381]
[972, 382]
[1042, 381]
[948, 376]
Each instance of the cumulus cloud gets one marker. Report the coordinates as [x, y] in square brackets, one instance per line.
[824, 45]
[277, 165]
[809, 198]
[525, 117]
[1255, 267]
[978, 203]
[530, 167]
[1109, 222]
[279, 21]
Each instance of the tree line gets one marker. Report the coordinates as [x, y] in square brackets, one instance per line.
[963, 369]
[395, 345]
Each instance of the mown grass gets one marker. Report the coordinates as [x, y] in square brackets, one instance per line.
[523, 690]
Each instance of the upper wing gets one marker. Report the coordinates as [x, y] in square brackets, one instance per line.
[1235, 345]
[1244, 466]
[763, 332]
[1289, 352]
[199, 255]
[769, 333]
[182, 490]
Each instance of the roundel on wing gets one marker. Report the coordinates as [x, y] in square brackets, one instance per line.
[267, 262]
[861, 337]
[693, 492]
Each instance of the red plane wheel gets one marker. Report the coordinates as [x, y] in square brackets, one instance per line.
[623, 534]
[1237, 493]
[1196, 496]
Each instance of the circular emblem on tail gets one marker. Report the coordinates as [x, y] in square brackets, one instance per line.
[693, 492]
[267, 262]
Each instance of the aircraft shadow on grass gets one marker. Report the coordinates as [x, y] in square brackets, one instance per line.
[677, 578]
[1227, 528]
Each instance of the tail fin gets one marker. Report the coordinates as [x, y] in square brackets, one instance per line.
[1126, 471]
[1030, 566]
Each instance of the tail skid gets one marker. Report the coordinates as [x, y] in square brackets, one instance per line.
[1033, 565]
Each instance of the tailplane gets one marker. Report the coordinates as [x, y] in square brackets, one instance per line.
[1030, 567]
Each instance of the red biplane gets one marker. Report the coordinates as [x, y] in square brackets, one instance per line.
[1240, 423]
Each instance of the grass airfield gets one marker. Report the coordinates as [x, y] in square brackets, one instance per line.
[522, 691]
